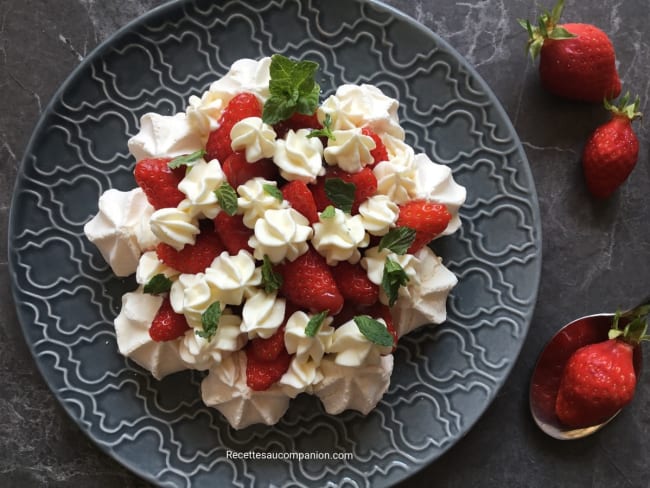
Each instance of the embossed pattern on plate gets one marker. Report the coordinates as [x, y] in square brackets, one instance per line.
[67, 297]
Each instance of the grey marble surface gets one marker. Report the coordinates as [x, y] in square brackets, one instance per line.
[595, 253]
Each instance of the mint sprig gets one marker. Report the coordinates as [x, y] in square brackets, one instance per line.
[292, 89]
[394, 276]
[398, 240]
[227, 198]
[186, 160]
[271, 280]
[374, 331]
[326, 131]
[340, 193]
[210, 321]
[158, 284]
[314, 324]
[272, 190]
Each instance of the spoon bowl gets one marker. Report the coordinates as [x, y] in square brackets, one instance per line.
[547, 374]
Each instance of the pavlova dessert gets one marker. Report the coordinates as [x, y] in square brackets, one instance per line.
[279, 243]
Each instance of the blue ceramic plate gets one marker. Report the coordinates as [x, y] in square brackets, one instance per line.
[67, 297]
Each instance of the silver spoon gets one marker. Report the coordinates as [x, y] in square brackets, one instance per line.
[550, 364]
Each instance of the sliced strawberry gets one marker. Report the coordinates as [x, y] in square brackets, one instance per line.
[238, 171]
[379, 153]
[267, 349]
[354, 284]
[167, 325]
[192, 258]
[301, 199]
[240, 107]
[159, 183]
[296, 122]
[364, 181]
[428, 219]
[309, 284]
[232, 232]
[261, 375]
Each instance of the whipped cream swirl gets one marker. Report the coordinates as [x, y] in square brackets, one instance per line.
[254, 200]
[352, 348]
[338, 238]
[174, 227]
[254, 137]
[378, 214]
[349, 150]
[263, 314]
[198, 185]
[233, 278]
[299, 157]
[281, 234]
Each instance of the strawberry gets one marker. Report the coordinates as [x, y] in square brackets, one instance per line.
[240, 107]
[298, 195]
[233, 233]
[192, 258]
[354, 283]
[267, 349]
[379, 153]
[577, 61]
[167, 325]
[261, 374]
[308, 283]
[428, 219]
[238, 171]
[364, 181]
[159, 182]
[612, 150]
[296, 122]
[599, 379]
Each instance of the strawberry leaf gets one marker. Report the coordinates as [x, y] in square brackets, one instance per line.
[210, 321]
[375, 331]
[227, 198]
[314, 324]
[186, 160]
[158, 284]
[394, 276]
[340, 193]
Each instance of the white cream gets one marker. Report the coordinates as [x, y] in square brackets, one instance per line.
[263, 314]
[300, 377]
[174, 227]
[164, 136]
[254, 137]
[191, 295]
[352, 348]
[203, 112]
[281, 234]
[374, 261]
[149, 266]
[244, 76]
[436, 183]
[133, 340]
[233, 278]
[254, 200]
[303, 346]
[299, 157]
[338, 238]
[378, 214]
[226, 390]
[362, 105]
[424, 299]
[349, 150]
[119, 229]
[397, 179]
[353, 388]
[198, 185]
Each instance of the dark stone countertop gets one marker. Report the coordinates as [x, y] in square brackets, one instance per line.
[595, 253]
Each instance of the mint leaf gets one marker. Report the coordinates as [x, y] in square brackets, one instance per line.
[394, 276]
[273, 190]
[292, 88]
[398, 240]
[326, 131]
[210, 321]
[227, 198]
[340, 193]
[328, 213]
[186, 159]
[271, 280]
[158, 284]
[314, 324]
[374, 331]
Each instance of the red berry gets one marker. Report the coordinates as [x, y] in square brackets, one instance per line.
[308, 283]
[354, 284]
[379, 153]
[611, 151]
[364, 181]
[167, 325]
[159, 182]
[240, 107]
[598, 380]
[428, 219]
[238, 171]
[298, 195]
[267, 349]
[192, 258]
[233, 233]
[296, 122]
[260, 374]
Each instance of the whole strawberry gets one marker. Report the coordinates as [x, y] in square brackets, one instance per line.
[600, 379]
[577, 61]
[612, 150]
